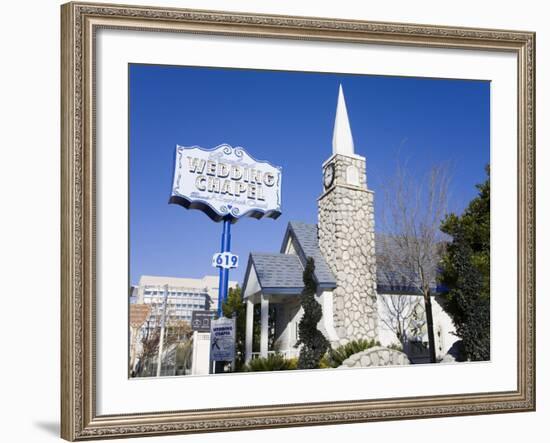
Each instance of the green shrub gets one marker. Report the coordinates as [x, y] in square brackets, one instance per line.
[325, 362]
[293, 363]
[335, 357]
[274, 362]
[395, 347]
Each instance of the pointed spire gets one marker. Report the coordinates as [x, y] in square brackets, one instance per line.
[342, 140]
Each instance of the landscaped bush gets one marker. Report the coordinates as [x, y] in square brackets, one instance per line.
[274, 362]
[335, 357]
[313, 343]
[395, 347]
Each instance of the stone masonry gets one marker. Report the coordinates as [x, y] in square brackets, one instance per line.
[346, 239]
[377, 356]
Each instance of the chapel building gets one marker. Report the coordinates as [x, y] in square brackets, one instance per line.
[354, 291]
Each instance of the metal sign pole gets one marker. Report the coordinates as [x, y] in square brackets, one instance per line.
[224, 272]
[162, 326]
[224, 279]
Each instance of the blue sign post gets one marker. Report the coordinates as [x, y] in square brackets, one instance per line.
[224, 271]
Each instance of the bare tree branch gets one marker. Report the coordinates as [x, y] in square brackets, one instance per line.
[410, 244]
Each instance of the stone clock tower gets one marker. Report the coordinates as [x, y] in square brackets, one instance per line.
[346, 234]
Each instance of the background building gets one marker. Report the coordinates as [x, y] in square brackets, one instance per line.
[185, 295]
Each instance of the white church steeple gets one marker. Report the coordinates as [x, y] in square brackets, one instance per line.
[346, 235]
[342, 140]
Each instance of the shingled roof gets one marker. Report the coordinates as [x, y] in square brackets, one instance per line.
[278, 273]
[307, 245]
[393, 277]
[282, 273]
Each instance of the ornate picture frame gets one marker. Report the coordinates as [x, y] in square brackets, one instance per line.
[80, 23]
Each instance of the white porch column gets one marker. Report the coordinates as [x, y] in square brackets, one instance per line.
[265, 323]
[249, 329]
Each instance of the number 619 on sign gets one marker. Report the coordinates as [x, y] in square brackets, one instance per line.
[225, 260]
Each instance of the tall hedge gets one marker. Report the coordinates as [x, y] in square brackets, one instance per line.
[466, 274]
[314, 344]
[470, 310]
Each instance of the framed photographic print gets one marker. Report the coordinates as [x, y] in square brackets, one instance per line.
[282, 221]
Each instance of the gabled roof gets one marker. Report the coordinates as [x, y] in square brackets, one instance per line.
[394, 277]
[276, 273]
[307, 245]
[283, 273]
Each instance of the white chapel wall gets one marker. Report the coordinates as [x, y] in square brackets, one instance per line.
[443, 325]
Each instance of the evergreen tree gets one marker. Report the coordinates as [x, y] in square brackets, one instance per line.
[314, 344]
[466, 274]
[470, 310]
[234, 306]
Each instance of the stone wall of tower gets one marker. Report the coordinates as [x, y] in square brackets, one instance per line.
[346, 239]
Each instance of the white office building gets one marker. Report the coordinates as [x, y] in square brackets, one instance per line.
[185, 295]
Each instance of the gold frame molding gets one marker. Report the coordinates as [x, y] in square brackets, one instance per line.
[79, 22]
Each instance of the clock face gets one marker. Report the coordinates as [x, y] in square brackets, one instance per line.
[328, 176]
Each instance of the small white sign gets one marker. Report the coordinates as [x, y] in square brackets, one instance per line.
[226, 182]
[222, 339]
[225, 260]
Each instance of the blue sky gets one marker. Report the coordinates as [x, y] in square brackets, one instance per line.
[286, 118]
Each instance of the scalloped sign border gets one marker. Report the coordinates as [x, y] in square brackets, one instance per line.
[226, 183]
